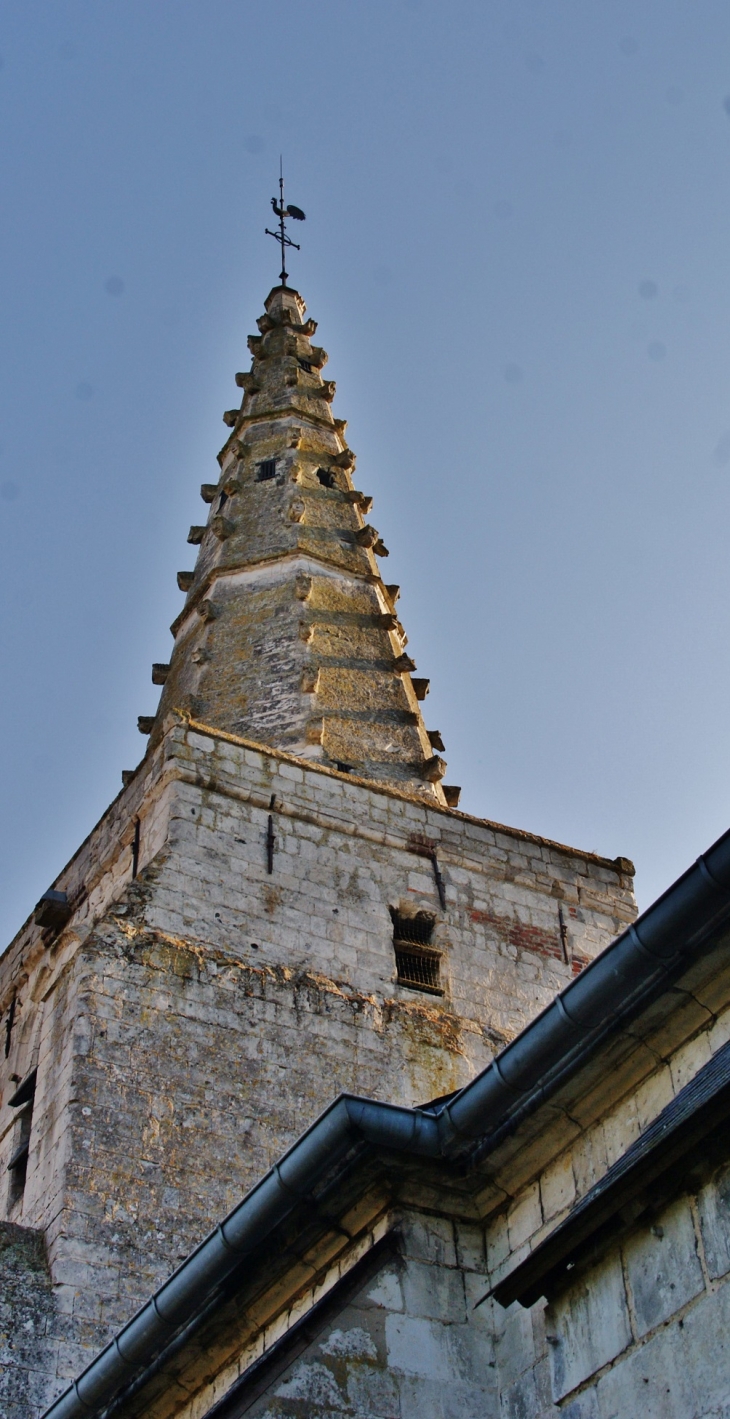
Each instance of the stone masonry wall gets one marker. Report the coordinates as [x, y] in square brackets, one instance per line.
[188, 1026]
[645, 1331]
[410, 1345]
[37, 1357]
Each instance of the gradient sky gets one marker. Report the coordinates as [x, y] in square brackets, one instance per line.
[517, 248]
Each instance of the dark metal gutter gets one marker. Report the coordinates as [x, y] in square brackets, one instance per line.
[626, 977]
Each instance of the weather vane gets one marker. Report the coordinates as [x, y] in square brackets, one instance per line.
[282, 213]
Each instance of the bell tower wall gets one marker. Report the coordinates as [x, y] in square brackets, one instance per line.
[186, 1024]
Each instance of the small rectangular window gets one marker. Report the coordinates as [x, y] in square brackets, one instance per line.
[306, 365]
[418, 964]
[326, 478]
[22, 1100]
[266, 470]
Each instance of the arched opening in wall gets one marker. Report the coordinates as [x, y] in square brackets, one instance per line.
[418, 963]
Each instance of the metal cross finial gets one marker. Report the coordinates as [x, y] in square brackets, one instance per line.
[282, 213]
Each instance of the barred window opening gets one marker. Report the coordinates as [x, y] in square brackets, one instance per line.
[266, 470]
[418, 964]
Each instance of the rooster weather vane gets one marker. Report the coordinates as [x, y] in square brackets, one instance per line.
[282, 213]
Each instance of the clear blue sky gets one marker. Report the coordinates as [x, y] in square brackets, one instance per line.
[518, 250]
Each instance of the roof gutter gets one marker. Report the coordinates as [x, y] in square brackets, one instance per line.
[626, 976]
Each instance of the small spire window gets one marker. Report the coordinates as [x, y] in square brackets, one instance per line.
[306, 365]
[266, 470]
[326, 478]
[418, 963]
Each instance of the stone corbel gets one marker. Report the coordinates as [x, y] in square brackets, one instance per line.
[420, 688]
[360, 500]
[302, 586]
[196, 535]
[367, 536]
[160, 673]
[310, 680]
[254, 343]
[208, 491]
[403, 664]
[434, 769]
[297, 509]
[306, 631]
[435, 740]
[452, 794]
[346, 459]
[209, 610]
[327, 391]
[231, 417]
[318, 357]
[185, 580]
[248, 382]
[314, 731]
[222, 527]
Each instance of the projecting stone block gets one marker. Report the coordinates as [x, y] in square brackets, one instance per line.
[196, 535]
[302, 586]
[208, 491]
[367, 536]
[403, 664]
[145, 723]
[452, 794]
[420, 687]
[222, 527]
[231, 417]
[310, 679]
[160, 673]
[434, 769]
[185, 580]
[435, 740]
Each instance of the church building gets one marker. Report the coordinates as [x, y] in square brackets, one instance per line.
[320, 1098]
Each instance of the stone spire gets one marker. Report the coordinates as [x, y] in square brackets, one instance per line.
[289, 635]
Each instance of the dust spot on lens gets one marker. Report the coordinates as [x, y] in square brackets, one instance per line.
[721, 454]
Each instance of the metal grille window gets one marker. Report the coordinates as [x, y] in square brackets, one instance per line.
[266, 470]
[306, 365]
[417, 962]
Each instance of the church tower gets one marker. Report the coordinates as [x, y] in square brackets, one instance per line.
[283, 901]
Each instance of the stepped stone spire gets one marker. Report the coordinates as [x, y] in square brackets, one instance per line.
[289, 635]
